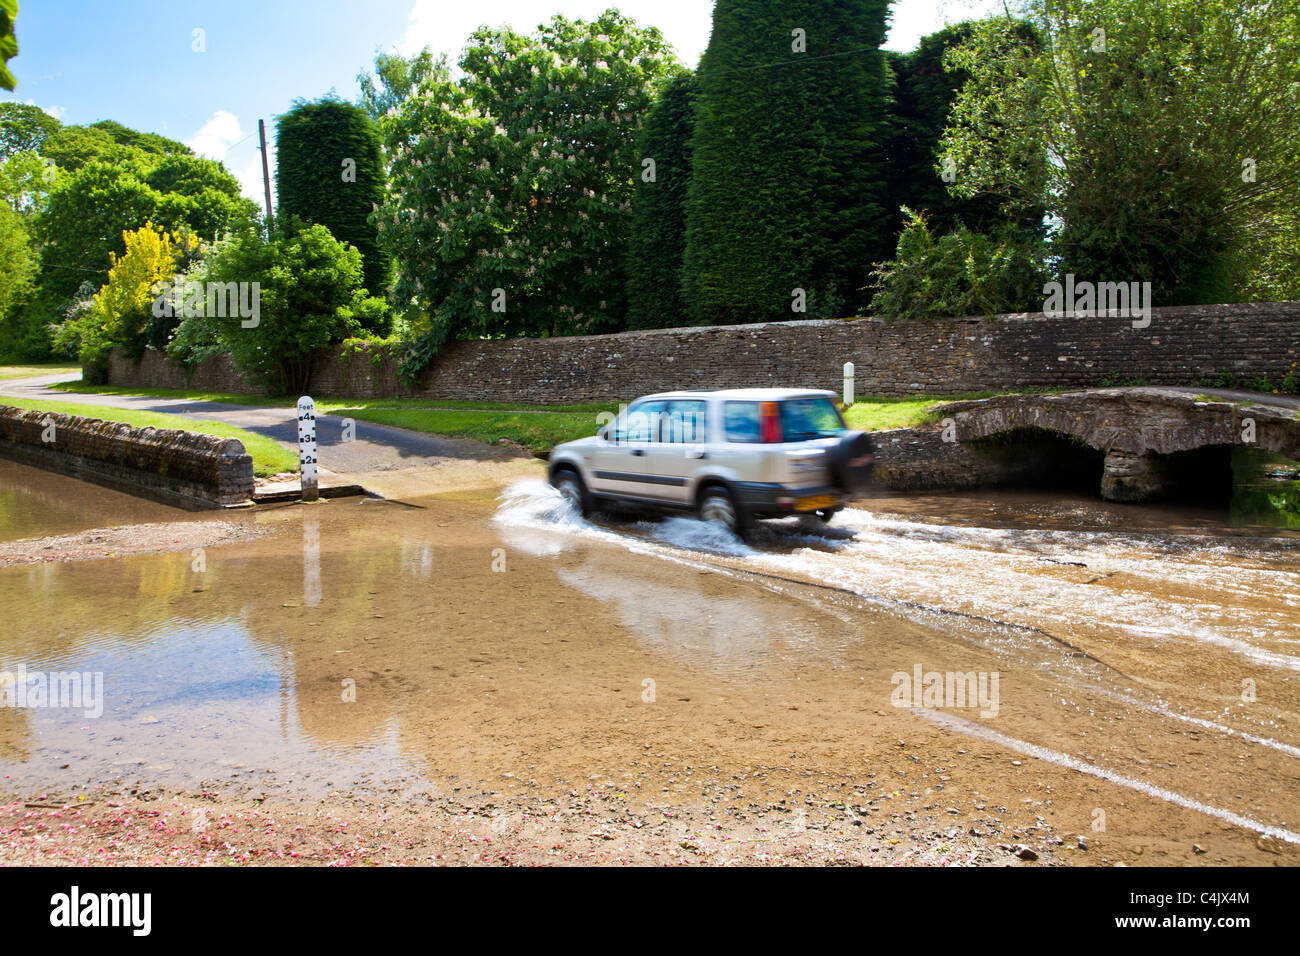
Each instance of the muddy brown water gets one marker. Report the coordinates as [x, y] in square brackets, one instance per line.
[1147, 661]
[36, 503]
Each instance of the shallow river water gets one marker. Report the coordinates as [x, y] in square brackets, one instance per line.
[1143, 663]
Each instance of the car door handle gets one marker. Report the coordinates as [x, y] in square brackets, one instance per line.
[697, 454]
[638, 451]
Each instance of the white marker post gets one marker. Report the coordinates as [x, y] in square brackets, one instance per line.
[848, 384]
[307, 448]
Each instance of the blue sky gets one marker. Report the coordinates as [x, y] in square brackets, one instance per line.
[135, 61]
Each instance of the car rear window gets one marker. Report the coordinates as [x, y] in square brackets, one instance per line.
[804, 419]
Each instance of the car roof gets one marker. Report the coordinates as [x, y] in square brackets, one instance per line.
[744, 394]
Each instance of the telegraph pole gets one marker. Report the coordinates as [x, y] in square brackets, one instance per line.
[266, 172]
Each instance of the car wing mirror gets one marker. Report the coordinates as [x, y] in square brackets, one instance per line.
[603, 432]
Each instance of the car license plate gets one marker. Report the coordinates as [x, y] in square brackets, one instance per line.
[814, 503]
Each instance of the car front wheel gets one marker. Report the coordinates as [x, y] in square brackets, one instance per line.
[571, 490]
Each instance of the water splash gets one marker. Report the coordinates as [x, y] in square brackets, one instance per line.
[691, 534]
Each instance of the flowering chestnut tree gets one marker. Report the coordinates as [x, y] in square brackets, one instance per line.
[510, 187]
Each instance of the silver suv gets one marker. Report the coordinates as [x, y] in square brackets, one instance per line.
[729, 456]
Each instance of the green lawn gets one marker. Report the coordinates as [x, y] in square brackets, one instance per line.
[269, 457]
[877, 412]
[536, 430]
[31, 371]
[230, 398]
[874, 414]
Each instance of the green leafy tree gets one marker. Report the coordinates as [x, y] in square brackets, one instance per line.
[787, 185]
[396, 79]
[1170, 130]
[110, 181]
[658, 238]
[8, 42]
[24, 128]
[199, 196]
[924, 91]
[512, 186]
[330, 170]
[17, 260]
[120, 313]
[84, 219]
[88, 211]
[151, 143]
[25, 181]
[72, 147]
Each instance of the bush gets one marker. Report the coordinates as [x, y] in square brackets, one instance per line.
[121, 313]
[308, 296]
[788, 178]
[960, 273]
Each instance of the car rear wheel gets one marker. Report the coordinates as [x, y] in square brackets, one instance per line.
[571, 489]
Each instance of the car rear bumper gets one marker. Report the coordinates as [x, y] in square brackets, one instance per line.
[770, 500]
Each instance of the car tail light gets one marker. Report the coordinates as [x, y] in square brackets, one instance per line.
[769, 423]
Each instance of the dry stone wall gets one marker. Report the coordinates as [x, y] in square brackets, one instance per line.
[177, 467]
[1179, 346]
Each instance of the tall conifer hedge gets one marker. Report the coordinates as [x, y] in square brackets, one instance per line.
[659, 211]
[330, 170]
[787, 188]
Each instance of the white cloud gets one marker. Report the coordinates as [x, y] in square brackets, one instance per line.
[58, 112]
[217, 135]
[913, 19]
[216, 139]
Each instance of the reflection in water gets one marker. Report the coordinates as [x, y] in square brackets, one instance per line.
[417, 559]
[1266, 489]
[36, 503]
[311, 590]
[684, 619]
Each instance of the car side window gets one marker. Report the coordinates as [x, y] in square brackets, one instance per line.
[640, 423]
[684, 423]
[740, 421]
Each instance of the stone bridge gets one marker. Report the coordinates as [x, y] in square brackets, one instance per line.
[1142, 432]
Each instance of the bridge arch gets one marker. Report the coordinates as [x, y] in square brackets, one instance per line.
[1153, 440]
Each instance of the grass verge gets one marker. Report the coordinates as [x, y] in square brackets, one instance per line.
[269, 457]
[875, 414]
[330, 404]
[31, 371]
[536, 430]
